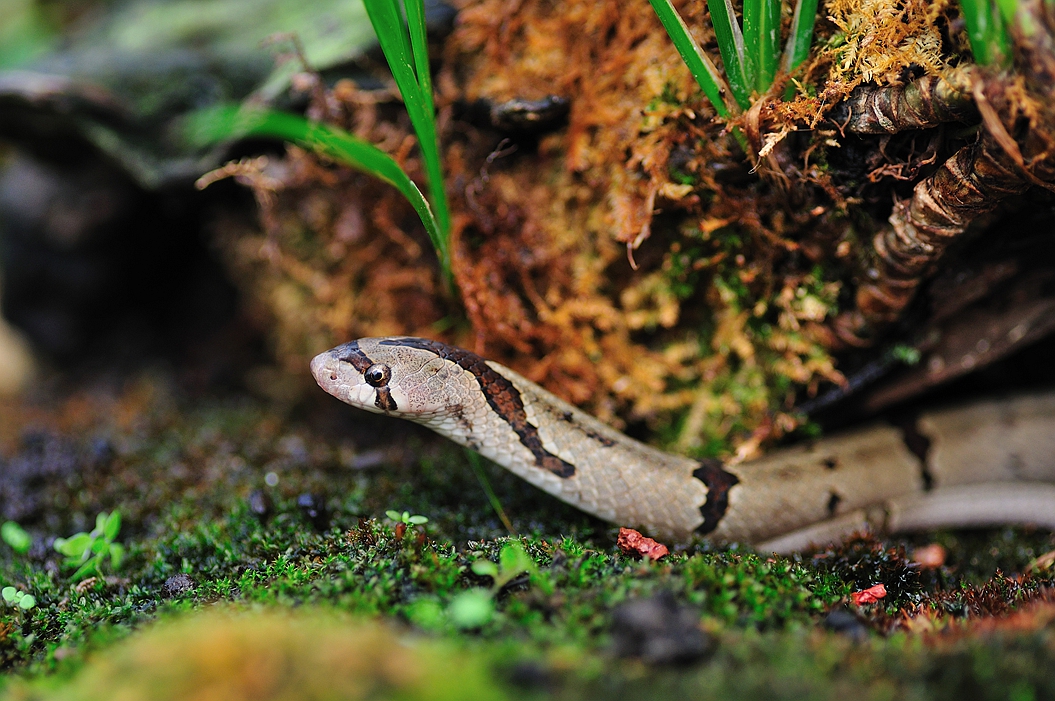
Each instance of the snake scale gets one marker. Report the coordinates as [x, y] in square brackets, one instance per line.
[984, 464]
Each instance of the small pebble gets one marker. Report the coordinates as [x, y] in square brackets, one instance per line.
[260, 504]
[846, 623]
[177, 585]
[659, 631]
[314, 509]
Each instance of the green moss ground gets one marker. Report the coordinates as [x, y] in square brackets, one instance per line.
[218, 535]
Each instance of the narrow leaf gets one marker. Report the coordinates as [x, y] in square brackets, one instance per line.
[761, 41]
[701, 67]
[407, 57]
[801, 37]
[228, 122]
[731, 44]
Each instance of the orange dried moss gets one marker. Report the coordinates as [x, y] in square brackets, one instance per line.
[723, 318]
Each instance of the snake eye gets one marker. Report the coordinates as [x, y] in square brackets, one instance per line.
[377, 375]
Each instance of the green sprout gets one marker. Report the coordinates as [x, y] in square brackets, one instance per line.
[475, 607]
[749, 52]
[906, 354]
[18, 598]
[407, 518]
[88, 551]
[16, 536]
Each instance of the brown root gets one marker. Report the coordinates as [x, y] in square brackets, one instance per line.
[973, 182]
[921, 104]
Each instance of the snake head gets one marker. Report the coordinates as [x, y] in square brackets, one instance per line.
[387, 376]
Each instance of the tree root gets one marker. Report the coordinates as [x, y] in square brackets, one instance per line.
[921, 104]
[1015, 150]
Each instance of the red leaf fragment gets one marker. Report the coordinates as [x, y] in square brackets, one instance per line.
[633, 543]
[869, 595]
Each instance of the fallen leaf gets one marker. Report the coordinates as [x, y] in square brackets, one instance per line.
[869, 595]
[633, 543]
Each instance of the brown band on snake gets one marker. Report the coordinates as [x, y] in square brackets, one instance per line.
[718, 483]
[503, 397]
[350, 353]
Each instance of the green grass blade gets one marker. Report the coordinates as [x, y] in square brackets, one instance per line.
[1010, 14]
[761, 41]
[481, 476]
[987, 31]
[731, 44]
[406, 51]
[428, 138]
[701, 67]
[230, 122]
[801, 37]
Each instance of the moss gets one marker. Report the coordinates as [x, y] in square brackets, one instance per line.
[201, 534]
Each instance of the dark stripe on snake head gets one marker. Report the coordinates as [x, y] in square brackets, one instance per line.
[718, 483]
[351, 353]
[503, 397]
[384, 400]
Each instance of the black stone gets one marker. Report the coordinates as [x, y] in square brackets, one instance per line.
[659, 631]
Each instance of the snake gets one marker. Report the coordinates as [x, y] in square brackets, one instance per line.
[987, 463]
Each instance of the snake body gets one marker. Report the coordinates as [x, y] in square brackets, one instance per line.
[869, 477]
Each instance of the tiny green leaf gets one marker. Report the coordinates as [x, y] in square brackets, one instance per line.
[100, 522]
[418, 520]
[514, 561]
[15, 536]
[27, 602]
[89, 568]
[9, 594]
[75, 545]
[394, 515]
[471, 609]
[117, 555]
[112, 525]
[485, 568]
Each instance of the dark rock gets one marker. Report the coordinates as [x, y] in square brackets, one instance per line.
[314, 509]
[531, 676]
[845, 622]
[659, 631]
[260, 504]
